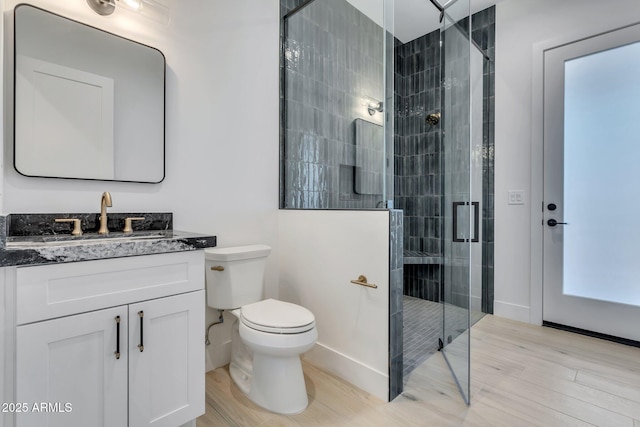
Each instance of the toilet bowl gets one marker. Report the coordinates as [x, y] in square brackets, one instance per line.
[268, 336]
[274, 379]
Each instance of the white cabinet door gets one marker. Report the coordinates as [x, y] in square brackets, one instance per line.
[166, 360]
[68, 374]
[4, 346]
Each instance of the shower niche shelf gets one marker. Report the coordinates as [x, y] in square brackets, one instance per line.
[417, 257]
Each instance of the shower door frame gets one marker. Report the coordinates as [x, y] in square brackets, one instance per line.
[479, 195]
[456, 271]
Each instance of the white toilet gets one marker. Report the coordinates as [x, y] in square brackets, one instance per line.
[268, 335]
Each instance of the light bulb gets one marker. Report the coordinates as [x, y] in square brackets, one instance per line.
[133, 4]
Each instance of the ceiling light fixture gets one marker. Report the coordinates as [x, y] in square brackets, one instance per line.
[133, 4]
[107, 7]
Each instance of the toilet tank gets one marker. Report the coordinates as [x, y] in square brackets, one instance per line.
[235, 275]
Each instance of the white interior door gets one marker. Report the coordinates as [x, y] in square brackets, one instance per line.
[591, 176]
[64, 115]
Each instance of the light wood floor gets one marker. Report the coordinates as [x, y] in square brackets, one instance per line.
[521, 375]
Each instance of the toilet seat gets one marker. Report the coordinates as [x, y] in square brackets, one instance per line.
[277, 317]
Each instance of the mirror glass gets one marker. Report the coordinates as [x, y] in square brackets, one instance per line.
[88, 104]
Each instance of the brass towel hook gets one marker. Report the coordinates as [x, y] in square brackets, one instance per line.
[362, 281]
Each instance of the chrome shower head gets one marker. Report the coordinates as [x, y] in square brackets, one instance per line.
[433, 119]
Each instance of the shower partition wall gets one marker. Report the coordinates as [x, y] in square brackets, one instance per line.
[337, 109]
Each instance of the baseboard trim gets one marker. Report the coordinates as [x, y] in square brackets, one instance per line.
[350, 370]
[511, 311]
[592, 334]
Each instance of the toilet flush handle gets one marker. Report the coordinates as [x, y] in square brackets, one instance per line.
[217, 268]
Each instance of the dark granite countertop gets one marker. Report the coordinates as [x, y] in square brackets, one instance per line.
[47, 247]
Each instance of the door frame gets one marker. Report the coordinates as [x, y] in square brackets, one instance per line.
[537, 159]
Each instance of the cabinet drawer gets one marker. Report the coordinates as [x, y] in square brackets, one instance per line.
[49, 291]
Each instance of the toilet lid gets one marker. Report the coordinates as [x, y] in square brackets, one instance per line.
[277, 317]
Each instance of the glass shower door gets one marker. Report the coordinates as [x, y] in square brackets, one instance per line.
[461, 210]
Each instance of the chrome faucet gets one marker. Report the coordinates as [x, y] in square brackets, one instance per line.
[105, 202]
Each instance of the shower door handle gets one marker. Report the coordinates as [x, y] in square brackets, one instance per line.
[476, 221]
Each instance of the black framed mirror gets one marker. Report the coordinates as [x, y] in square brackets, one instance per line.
[88, 104]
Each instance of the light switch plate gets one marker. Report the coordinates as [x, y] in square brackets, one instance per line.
[516, 197]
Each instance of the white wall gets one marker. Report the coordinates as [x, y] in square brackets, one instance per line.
[522, 28]
[221, 131]
[320, 253]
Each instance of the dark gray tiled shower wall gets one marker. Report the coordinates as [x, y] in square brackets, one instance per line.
[417, 145]
[396, 308]
[288, 5]
[418, 155]
[483, 33]
[333, 59]
[417, 158]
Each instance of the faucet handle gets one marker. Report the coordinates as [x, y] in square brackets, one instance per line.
[127, 223]
[77, 225]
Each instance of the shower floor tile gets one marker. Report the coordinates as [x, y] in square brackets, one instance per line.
[422, 328]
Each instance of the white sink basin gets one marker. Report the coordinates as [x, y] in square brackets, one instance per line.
[86, 239]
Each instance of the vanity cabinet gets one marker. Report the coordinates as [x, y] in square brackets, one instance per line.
[115, 342]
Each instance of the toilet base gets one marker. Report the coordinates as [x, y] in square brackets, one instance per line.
[277, 384]
[271, 377]
[240, 377]
[269, 389]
